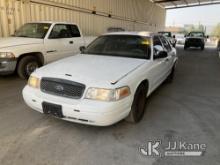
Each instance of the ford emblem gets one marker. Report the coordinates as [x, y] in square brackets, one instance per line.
[59, 88]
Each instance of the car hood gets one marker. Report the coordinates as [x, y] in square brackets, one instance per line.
[17, 41]
[93, 69]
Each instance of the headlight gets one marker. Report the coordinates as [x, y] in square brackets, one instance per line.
[6, 55]
[107, 94]
[34, 82]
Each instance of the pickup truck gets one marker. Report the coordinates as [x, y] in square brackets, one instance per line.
[39, 43]
[109, 81]
[195, 39]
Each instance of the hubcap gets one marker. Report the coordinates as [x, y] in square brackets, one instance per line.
[31, 67]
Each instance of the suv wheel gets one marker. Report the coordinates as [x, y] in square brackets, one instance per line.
[26, 66]
[138, 105]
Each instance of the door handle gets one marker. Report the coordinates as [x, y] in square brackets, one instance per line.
[71, 42]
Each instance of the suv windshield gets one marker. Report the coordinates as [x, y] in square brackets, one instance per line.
[121, 46]
[33, 30]
[196, 34]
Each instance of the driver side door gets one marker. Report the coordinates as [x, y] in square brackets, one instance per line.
[169, 61]
[60, 43]
[159, 64]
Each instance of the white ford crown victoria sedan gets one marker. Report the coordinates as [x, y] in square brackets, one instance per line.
[109, 81]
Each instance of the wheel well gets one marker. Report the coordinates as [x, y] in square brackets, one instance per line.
[39, 56]
[145, 83]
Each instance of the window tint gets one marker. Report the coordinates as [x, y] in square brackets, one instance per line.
[157, 41]
[121, 46]
[64, 31]
[33, 30]
[166, 44]
[75, 31]
[196, 34]
[166, 34]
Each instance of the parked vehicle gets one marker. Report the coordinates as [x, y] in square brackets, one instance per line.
[195, 39]
[39, 43]
[107, 82]
[170, 37]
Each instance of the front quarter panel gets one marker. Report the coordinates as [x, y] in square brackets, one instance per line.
[134, 79]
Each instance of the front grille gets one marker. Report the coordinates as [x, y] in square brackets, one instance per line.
[63, 88]
[194, 40]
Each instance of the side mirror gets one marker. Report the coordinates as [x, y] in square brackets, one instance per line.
[174, 36]
[207, 36]
[159, 52]
[82, 49]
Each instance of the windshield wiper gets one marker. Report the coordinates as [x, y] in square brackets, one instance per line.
[23, 36]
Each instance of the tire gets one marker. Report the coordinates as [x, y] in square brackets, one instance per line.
[171, 76]
[138, 105]
[202, 47]
[26, 66]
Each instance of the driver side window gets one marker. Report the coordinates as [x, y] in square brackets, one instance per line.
[60, 31]
[159, 51]
[157, 42]
[166, 44]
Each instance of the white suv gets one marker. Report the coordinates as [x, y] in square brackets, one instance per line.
[109, 81]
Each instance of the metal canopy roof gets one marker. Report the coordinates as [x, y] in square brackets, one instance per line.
[175, 4]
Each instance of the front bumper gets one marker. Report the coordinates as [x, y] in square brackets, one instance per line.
[194, 43]
[82, 111]
[7, 66]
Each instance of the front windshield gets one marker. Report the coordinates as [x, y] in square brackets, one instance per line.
[33, 30]
[166, 34]
[121, 46]
[196, 34]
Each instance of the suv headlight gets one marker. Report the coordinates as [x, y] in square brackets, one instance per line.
[7, 55]
[107, 94]
[34, 82]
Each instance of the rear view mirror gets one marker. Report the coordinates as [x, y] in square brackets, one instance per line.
[82, 49]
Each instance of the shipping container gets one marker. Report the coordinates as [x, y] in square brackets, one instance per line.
[93, 16]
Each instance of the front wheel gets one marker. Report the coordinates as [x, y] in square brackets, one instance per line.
[138, 105]
[26, 66]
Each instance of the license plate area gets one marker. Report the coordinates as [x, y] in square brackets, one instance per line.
[52, 109]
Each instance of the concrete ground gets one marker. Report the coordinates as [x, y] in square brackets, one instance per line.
[187, 110]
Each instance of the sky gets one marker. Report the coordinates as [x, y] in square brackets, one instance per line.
[206, 15]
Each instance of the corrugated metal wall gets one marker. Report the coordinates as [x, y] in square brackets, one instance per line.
[128, 14]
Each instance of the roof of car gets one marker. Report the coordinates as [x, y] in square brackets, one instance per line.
[141, 33]
[52, 22]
